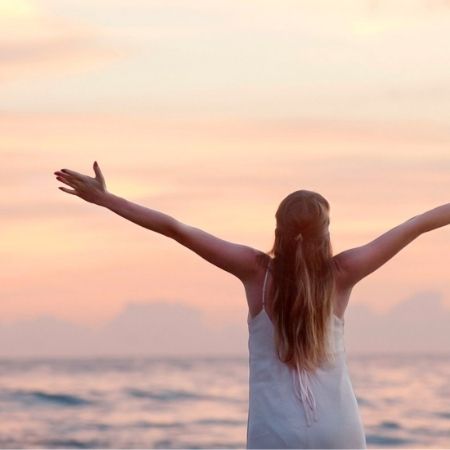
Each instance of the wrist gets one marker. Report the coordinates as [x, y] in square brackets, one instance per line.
[105, 199]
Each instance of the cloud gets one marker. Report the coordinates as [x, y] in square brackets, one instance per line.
[418, 324]
[200, 161]
[141, 328]
[35, 43]
[236, 59]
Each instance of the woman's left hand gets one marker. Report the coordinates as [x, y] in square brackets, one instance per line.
[90, 189]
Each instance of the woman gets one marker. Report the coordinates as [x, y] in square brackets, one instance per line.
[301, 395]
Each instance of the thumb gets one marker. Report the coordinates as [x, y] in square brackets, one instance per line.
[98, 172]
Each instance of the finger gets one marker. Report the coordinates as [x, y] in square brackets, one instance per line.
[69, 191]
[73, 173]
[62, 174]
[98, 172]
[64, 177]
[68, 181]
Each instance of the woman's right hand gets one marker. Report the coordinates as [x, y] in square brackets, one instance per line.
[90, 189]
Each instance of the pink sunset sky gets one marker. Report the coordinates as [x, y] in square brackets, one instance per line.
[212, 112]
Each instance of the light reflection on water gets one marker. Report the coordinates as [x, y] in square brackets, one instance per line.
[403, 399]
[202, 402]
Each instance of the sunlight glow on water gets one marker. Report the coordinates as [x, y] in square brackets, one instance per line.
[201, 403]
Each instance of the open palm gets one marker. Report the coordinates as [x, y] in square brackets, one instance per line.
[91, 189]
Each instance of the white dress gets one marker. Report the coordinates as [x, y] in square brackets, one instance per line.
[291, 409]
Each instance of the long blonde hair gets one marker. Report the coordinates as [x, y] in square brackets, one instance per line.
[303, 280]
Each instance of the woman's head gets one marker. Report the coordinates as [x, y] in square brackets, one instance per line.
[301, 216]
[303, 278]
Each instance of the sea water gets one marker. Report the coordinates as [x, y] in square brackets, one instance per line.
[197, 402]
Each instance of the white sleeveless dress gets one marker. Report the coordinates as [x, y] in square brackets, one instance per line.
[292, 409]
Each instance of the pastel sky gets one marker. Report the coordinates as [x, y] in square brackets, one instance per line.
[213, 112]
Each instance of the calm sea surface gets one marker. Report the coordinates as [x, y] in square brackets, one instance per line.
[201, 402]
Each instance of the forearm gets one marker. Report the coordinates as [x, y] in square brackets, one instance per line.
[434, 218]
[140, 215]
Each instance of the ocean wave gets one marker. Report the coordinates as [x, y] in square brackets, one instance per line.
[169, 395]
[363, 401]
[444, 414]
[37, 397]
[94, 404]
[226, 422]
[387, 424]
[164, 394]
[379, 439]
[148, 424]
[71, 443]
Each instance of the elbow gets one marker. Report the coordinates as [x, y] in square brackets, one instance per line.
[171, 229]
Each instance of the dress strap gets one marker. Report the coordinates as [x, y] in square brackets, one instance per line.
[264, 285]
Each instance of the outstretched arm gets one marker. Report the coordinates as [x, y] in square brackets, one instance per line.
[356, 263]
[435, 218]
[237, 259]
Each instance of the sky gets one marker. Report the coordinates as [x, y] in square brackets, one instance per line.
[213, 112]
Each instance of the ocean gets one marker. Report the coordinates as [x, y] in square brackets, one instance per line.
[139, 402]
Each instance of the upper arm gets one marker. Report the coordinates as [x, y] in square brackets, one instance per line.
[356, 263]
[237, 259]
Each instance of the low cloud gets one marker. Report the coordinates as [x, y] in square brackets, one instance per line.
[418, 324]
[421, 323]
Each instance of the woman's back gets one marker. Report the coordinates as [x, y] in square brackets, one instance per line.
[290, 409]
